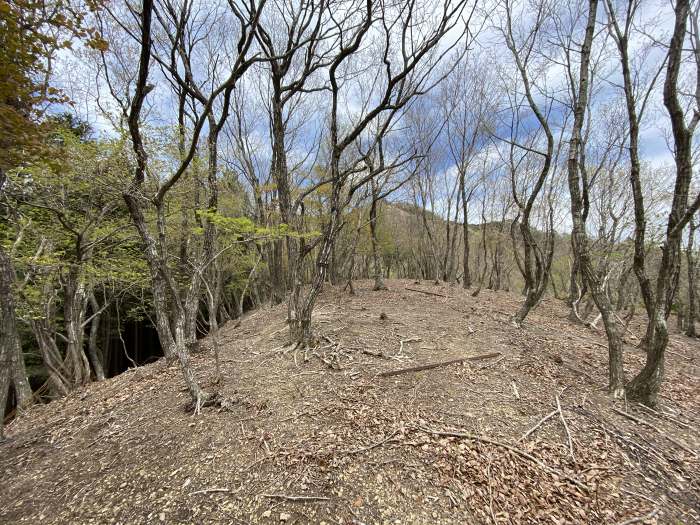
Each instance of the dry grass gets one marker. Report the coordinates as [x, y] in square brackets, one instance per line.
[319, 437]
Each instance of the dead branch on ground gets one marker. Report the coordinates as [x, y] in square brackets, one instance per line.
[426, 292]
[430, 366]
[657, 429]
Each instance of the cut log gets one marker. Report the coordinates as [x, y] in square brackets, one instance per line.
[439, 364]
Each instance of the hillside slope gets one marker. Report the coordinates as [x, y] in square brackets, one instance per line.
[322, 438]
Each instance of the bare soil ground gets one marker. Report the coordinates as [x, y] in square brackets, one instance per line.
[321, 437]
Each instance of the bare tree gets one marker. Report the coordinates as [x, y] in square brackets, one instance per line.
[403, 78]
[658, 296]
[535, 262]
[297, 41]
[466, 102]
[173, 313]
[383, 183]
[577, 184]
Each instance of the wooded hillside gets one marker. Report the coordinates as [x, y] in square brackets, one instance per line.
[170, 169]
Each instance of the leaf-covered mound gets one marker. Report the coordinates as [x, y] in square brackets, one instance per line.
[318, 436]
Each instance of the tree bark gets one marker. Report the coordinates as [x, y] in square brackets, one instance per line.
[74, 314]
[13, 361]
[692, 301]
[645, 386]
[376, 257]
[467, 274]
[94, 352]
[5, 382]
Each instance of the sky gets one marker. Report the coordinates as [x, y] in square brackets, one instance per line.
[77, 74]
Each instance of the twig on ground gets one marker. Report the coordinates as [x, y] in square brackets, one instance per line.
[539, 423]
[208, 491]
[566, 427]
[373, 445]
[296, 498]
[665, 416]
[515, 389]
[679, 355]
[409, 340]
[493, 364]
[637, 494]
[488, 476]
[437, 365]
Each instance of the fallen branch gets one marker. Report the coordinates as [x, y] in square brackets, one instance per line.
[539, 423]
[566, 427]
[437, 365]
[665, 416]
[409, 340]
[643, 422]
[425, 292]
[373, 445]
[493, 364]
[514, 450]
[207, 491]
[296, 498]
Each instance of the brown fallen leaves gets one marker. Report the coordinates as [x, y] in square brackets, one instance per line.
[327, 440]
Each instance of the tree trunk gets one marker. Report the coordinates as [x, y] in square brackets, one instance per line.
[645, 386]
[692, 301]
[171, 316]
[13, 361]
[5, 382]
[595, 282]
[73, 314]
[376, 257]
[467, 276]
[301, 308]
[280, 175]
[96, 357]
[59, 379]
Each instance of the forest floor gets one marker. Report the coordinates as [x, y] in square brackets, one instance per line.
[321, 437]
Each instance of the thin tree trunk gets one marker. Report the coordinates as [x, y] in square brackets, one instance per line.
[96, 357]
[376, 257]
[692, 302]
[597, 284]
[74, 313]
[9, 338]
[302, 308]
[467, 276]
